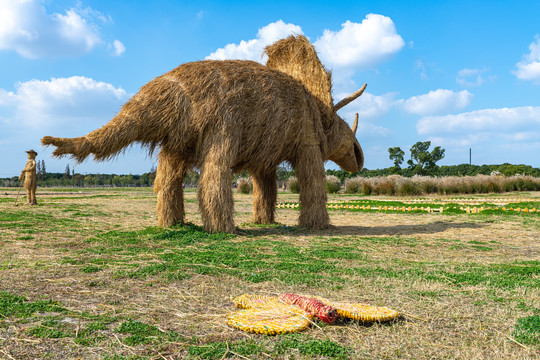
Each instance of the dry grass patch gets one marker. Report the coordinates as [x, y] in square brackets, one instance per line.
[123, 289]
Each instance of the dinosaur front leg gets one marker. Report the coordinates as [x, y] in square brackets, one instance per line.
[264, 196]
[311, 178]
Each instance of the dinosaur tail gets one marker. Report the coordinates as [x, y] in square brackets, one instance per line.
[103, 143]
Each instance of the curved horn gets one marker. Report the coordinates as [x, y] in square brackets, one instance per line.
[355, 125]
[349, 98]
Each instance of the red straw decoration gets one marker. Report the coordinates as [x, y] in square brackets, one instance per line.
[312, 306]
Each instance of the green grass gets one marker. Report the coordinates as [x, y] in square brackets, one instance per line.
[52, 321]
[527, 330]
[283, 345]
[91, 269]
[21, 220]
[305, 346]
[184, 251]
[19, 306]
[413, 267]
[141, 333]
[448, 208]
[51, 329]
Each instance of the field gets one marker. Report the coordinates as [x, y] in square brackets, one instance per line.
[87, 275]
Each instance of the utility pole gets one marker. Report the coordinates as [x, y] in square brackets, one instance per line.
[470, 156]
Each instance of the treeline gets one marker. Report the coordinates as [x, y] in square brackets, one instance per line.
[442, 171]
[87, 180]
[72, 179]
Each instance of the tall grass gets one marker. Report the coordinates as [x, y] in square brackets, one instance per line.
[333, 185]
[418, 185]
[293, 185]
[244, 185]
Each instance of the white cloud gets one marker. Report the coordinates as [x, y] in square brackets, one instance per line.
[66, 107]
[503, 121]
[420, 67]
[437, 102]
[369, 106]
[6, 98]
[252, 49]
[362, 44]
[67, 102]
[463, 141]
[473, 77]
[27, 28]
[119, 48]
[529, 67]
[367, 129]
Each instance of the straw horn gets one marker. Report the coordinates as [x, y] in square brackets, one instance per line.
[355, 124]
[350, 98]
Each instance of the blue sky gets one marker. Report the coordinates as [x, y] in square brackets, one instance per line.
[462, 74]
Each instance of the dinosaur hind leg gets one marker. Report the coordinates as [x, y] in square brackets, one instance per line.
[264, 196]
[168, 186]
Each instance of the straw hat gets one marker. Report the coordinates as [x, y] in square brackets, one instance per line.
[32, 152]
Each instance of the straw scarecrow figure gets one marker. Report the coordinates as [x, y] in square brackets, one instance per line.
[30, 177]
[231, 116]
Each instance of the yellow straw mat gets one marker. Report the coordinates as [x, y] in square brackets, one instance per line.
[276, 320]
[247, 301]
[361, 312]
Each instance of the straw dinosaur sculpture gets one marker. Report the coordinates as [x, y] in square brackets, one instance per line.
[223, 116]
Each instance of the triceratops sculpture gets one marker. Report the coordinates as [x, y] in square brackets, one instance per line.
[223, 116]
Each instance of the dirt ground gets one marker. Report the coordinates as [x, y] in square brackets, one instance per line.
[441, 318]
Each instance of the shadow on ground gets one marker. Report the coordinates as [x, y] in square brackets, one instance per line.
[431, 228]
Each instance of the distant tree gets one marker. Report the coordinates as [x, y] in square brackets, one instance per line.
[397, 156]
[38, 170]
[89, 180]
[116, 180]
[66, 172]
[284, 171]
[192, 177]
[78, 179]
[422, 161]
[43, 169]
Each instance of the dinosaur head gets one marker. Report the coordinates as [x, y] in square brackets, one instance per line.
[343, 147]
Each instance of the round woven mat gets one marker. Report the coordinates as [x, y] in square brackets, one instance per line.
[247, 301]
[275, 320]
[361, 312]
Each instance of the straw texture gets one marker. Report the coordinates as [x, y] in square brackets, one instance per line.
[278, 315]
[247, 301]
[312, 306]
[276, 320]
[232, 116]
[361, 312]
